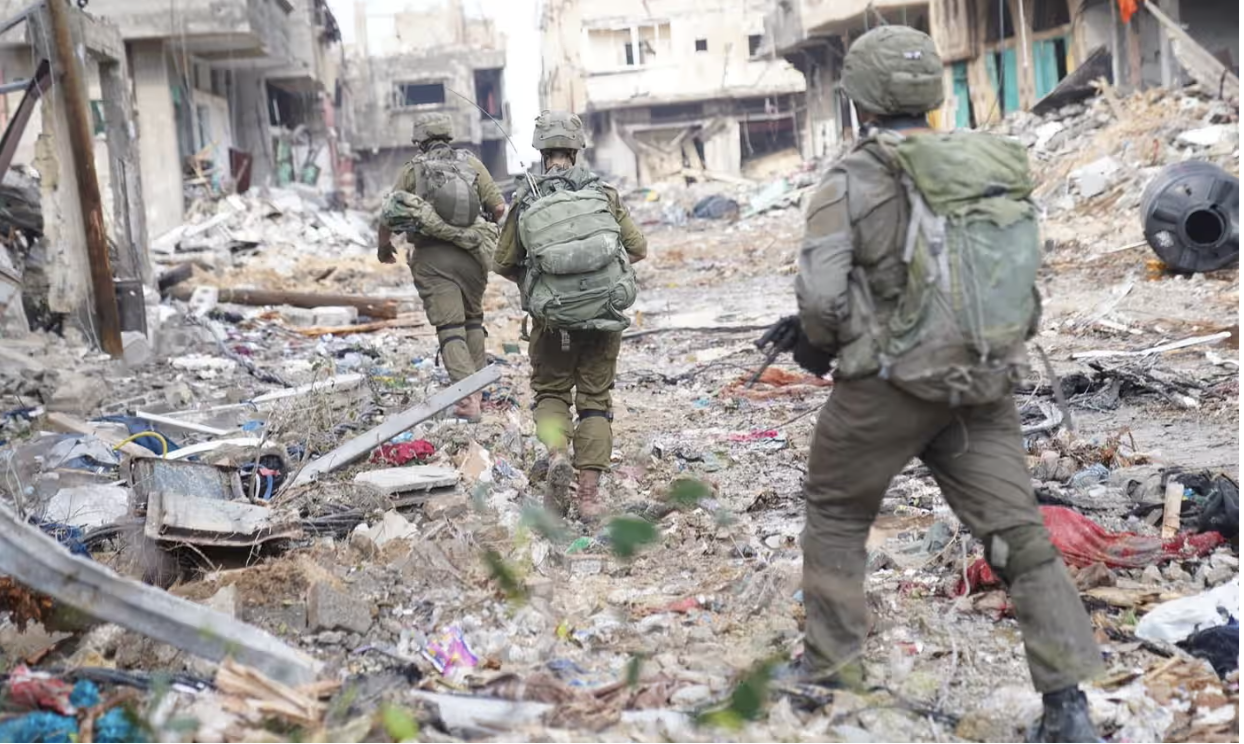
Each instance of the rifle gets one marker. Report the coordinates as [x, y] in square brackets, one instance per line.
[769, 359]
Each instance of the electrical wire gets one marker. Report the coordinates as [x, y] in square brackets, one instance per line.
[140, 435]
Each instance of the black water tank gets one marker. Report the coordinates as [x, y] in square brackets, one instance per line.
[1190, 213]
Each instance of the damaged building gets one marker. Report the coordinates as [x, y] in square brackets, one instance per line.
[671, 88]
[235, 92]
[1007, 55]
[410, 62]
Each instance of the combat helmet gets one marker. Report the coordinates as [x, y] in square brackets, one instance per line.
[894, 70]
[558, 130]
[433, 125]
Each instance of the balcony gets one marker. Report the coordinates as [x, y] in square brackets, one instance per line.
[228, 33]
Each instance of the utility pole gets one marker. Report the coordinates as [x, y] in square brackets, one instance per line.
[109, 318]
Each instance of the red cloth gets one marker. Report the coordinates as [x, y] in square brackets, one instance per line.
[403, 452]
[1127, 9]
[1083, 542]
[39, 691]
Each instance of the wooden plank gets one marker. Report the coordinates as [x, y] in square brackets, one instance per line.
[410, 321]
[1211, 74]
[359, 446]
[1161, 349]
[36, 560]
[63, 422]
[173, 423]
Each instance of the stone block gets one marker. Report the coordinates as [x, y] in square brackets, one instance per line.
[329, 609]
[78, 394]
[404, 480]
[335, 315]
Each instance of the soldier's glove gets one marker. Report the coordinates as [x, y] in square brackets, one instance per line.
[387, 253]
[814, 360]
[781, 336]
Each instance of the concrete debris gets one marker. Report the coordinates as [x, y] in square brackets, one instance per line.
[329, 609]
[247, 491]
[88, 506]
[406, 479]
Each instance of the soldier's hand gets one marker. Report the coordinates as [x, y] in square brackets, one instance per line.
[813, 359]
[387, 253]
[782, 335]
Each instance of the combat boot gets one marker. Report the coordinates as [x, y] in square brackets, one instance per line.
[1065, 718]
[469, 408]
[587, 500]
[560, 482]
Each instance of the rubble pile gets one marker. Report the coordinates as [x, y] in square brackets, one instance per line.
[266, 527]
[234, 229]
[1096, 157]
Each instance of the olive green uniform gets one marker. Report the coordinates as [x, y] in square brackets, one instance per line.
[451, 282]
[869, 430]
[582, 370]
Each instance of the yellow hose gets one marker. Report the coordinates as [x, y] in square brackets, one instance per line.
[156, 434]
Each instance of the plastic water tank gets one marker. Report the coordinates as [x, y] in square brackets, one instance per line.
[1190, 214]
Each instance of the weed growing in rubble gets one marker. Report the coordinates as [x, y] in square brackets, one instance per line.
[628, 534]
[505, 576]
[399, 724]
[634, 667]
[747, 701]
[686, 493]
[545, 523]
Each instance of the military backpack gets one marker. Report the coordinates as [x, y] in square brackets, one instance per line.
[972, 251]
[578, 275]
[447, 181]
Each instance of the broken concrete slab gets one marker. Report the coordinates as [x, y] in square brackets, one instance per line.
[359, 446]
[195, 520]
[88, 506]
[1095, 177]
[78, 394]
[392, 526]
[136, 349]
[39, 562]
[298, 317]
[404, 480]
[337, 315]
[329, 609]
[445, 506]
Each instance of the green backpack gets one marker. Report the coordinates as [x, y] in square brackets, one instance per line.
[578, 275]
[446, 180]
[972, 252]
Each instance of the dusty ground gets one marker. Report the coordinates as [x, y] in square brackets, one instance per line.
[633, 648]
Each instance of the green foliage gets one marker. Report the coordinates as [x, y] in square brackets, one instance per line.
[628, 534]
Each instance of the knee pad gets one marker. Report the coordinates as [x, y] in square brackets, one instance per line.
[606, 415]
[1015, 551]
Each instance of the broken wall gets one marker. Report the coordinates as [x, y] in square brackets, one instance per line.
[682, 50]
[381, 121]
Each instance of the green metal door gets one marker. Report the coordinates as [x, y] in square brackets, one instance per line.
[1009, 79]
[963, 99]
[1045, 65]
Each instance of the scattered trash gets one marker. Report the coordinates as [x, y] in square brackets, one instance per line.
[399, 454]
[449, 652]
[1083, 542]
[1176, 620]
[1220, 646]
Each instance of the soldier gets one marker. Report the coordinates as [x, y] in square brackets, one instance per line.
[450, 280]
[917, 272]
[569, 245]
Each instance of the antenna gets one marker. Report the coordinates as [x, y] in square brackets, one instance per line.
[530, 181]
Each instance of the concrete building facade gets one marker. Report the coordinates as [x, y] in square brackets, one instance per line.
[225, 92]
[670, 87]
[1002, 56]
[406, 63]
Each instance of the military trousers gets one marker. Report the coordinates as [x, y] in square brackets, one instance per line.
[451, 284]
[865, 435]
[577, 369]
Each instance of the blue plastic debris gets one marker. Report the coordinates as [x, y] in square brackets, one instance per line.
[85, 694]
[117, 726]
[39, 726]
[136, 425]
[65, 534]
